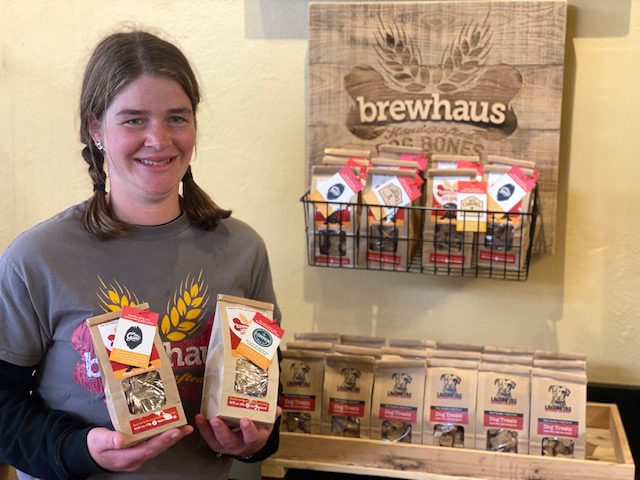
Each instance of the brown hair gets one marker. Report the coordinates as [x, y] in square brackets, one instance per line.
[117, 61]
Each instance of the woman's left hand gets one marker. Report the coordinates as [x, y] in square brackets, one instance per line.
[246, 440]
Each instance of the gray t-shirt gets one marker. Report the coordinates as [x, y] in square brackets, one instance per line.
[55, 276]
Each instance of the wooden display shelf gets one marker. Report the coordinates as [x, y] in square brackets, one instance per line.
[608, 457]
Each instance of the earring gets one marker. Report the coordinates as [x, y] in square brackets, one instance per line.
[99, 145]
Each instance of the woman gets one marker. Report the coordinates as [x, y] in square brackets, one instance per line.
[138, 240]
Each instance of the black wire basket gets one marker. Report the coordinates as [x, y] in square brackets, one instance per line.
[417, 239]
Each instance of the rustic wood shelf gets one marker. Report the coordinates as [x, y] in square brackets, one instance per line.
[608, 457]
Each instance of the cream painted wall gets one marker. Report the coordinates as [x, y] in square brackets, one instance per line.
[251, 57]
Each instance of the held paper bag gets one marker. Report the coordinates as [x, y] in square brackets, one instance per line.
[142, 402]
[234, 387]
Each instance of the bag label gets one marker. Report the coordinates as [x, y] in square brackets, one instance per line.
[260, 342]
[398, 413]
[449, 415]
[512, 421]
[154, 420]
[134, 337]
[557, 428]
[256, 405]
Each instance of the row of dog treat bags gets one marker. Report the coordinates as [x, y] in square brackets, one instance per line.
[477, 215]
[492, 398]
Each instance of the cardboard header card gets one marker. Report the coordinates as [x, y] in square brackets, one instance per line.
[452, 78]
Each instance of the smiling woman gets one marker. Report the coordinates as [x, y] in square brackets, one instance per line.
[148, 134]
[141, 238]
[138, 109]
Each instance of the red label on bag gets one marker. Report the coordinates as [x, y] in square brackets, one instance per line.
[458, 416]
[380, 257]
[508, 258]
[298, 403]
[154, 420]
[513, 421]
[399, 413]
[352, 408]
[256, 405]
[446, 258]
[331, 260]
[557, 428]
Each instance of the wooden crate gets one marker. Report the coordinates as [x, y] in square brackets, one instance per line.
[608, 457]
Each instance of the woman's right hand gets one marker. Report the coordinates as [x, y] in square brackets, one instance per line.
[108, 450]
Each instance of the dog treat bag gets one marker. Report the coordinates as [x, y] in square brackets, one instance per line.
[417, 343]
[456, 354]
[362, 341]
[398, 400]
[450, 403]
[332, 227]
[403, 153]
[234, 386]
[142, 401]
[510, 162]
[388, 235]
[502, 412]
[568, 366]
[524, 360]
[358, 153]
[406, 353]
[332, 337]
[346, 397]
[558, 414]
[504, 350]
[355, 350]
[310, 345]
[468, 347]
[549, 355]
[301, 398]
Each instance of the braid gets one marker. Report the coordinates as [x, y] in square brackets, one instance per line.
[98, 217]
[198, 206]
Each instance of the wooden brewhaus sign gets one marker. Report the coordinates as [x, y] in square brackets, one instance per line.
[462, 78]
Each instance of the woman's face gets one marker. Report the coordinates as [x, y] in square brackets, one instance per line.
[148, 132]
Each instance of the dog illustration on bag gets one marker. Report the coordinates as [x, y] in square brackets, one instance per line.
[350, 382]
[450, 382]
[504, 388]
[299, 373]
[559, 394]
[401, 383]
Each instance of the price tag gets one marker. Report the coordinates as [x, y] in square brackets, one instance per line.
[510, 188]
[472, 207]
[340, 188]
[134, 337]
[260, 342]
[395, 192]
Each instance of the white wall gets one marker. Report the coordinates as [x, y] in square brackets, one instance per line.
[251, 59]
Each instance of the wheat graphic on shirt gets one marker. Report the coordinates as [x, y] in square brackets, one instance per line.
[114, 296]
[185, 310]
